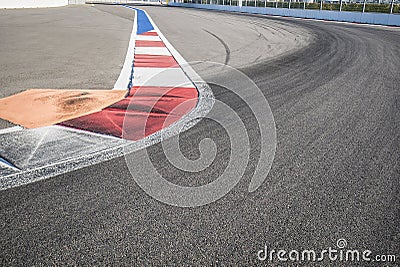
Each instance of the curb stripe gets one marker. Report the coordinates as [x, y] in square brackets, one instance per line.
[161, 77]
[141, 43]
[147, 38]
[150, 33]
[161, 51]
[155, 61]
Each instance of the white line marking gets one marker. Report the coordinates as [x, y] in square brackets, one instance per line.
[168, 77]
[147, 38]
[125, 75]
[11, 129]
[161, 51]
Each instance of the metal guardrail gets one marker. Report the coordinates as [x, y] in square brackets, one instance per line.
[104, 1]
[392, 7]
[339, 5]
[151, 2]
[345, 16]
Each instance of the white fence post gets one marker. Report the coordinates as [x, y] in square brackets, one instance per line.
[391, 7]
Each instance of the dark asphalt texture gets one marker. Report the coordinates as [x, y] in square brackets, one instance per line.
[335, 173]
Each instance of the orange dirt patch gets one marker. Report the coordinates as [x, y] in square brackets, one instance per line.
[43, 107]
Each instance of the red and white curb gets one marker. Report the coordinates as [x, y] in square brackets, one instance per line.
[154, 64]
[157, 86]
[45, 152]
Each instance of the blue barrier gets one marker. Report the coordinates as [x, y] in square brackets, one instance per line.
[345, 16]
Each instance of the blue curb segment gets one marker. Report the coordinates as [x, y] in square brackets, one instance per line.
[143, 22]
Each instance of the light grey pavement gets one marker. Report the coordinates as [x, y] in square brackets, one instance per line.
[219, 38]
[335, 99]
[74, 47]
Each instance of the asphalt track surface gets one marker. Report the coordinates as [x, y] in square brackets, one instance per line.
[335, 100]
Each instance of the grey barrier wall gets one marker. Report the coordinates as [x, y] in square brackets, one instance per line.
[76, 2]
[32, 3]
[346, 16]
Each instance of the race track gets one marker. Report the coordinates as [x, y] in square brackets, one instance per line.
[333, 89]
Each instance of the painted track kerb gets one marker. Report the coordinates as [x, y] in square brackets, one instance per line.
[109, 147]
[192, 75]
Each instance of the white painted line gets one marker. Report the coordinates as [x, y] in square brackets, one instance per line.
[169, 77]
[11, 129]
[147, 38]
[126, 72]
[160, 51]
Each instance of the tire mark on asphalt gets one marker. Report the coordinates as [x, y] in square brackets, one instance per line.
[227, 50]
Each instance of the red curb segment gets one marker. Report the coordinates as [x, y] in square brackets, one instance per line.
[155, 61]
[149, 33]
[143, 43]
[145, 111]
